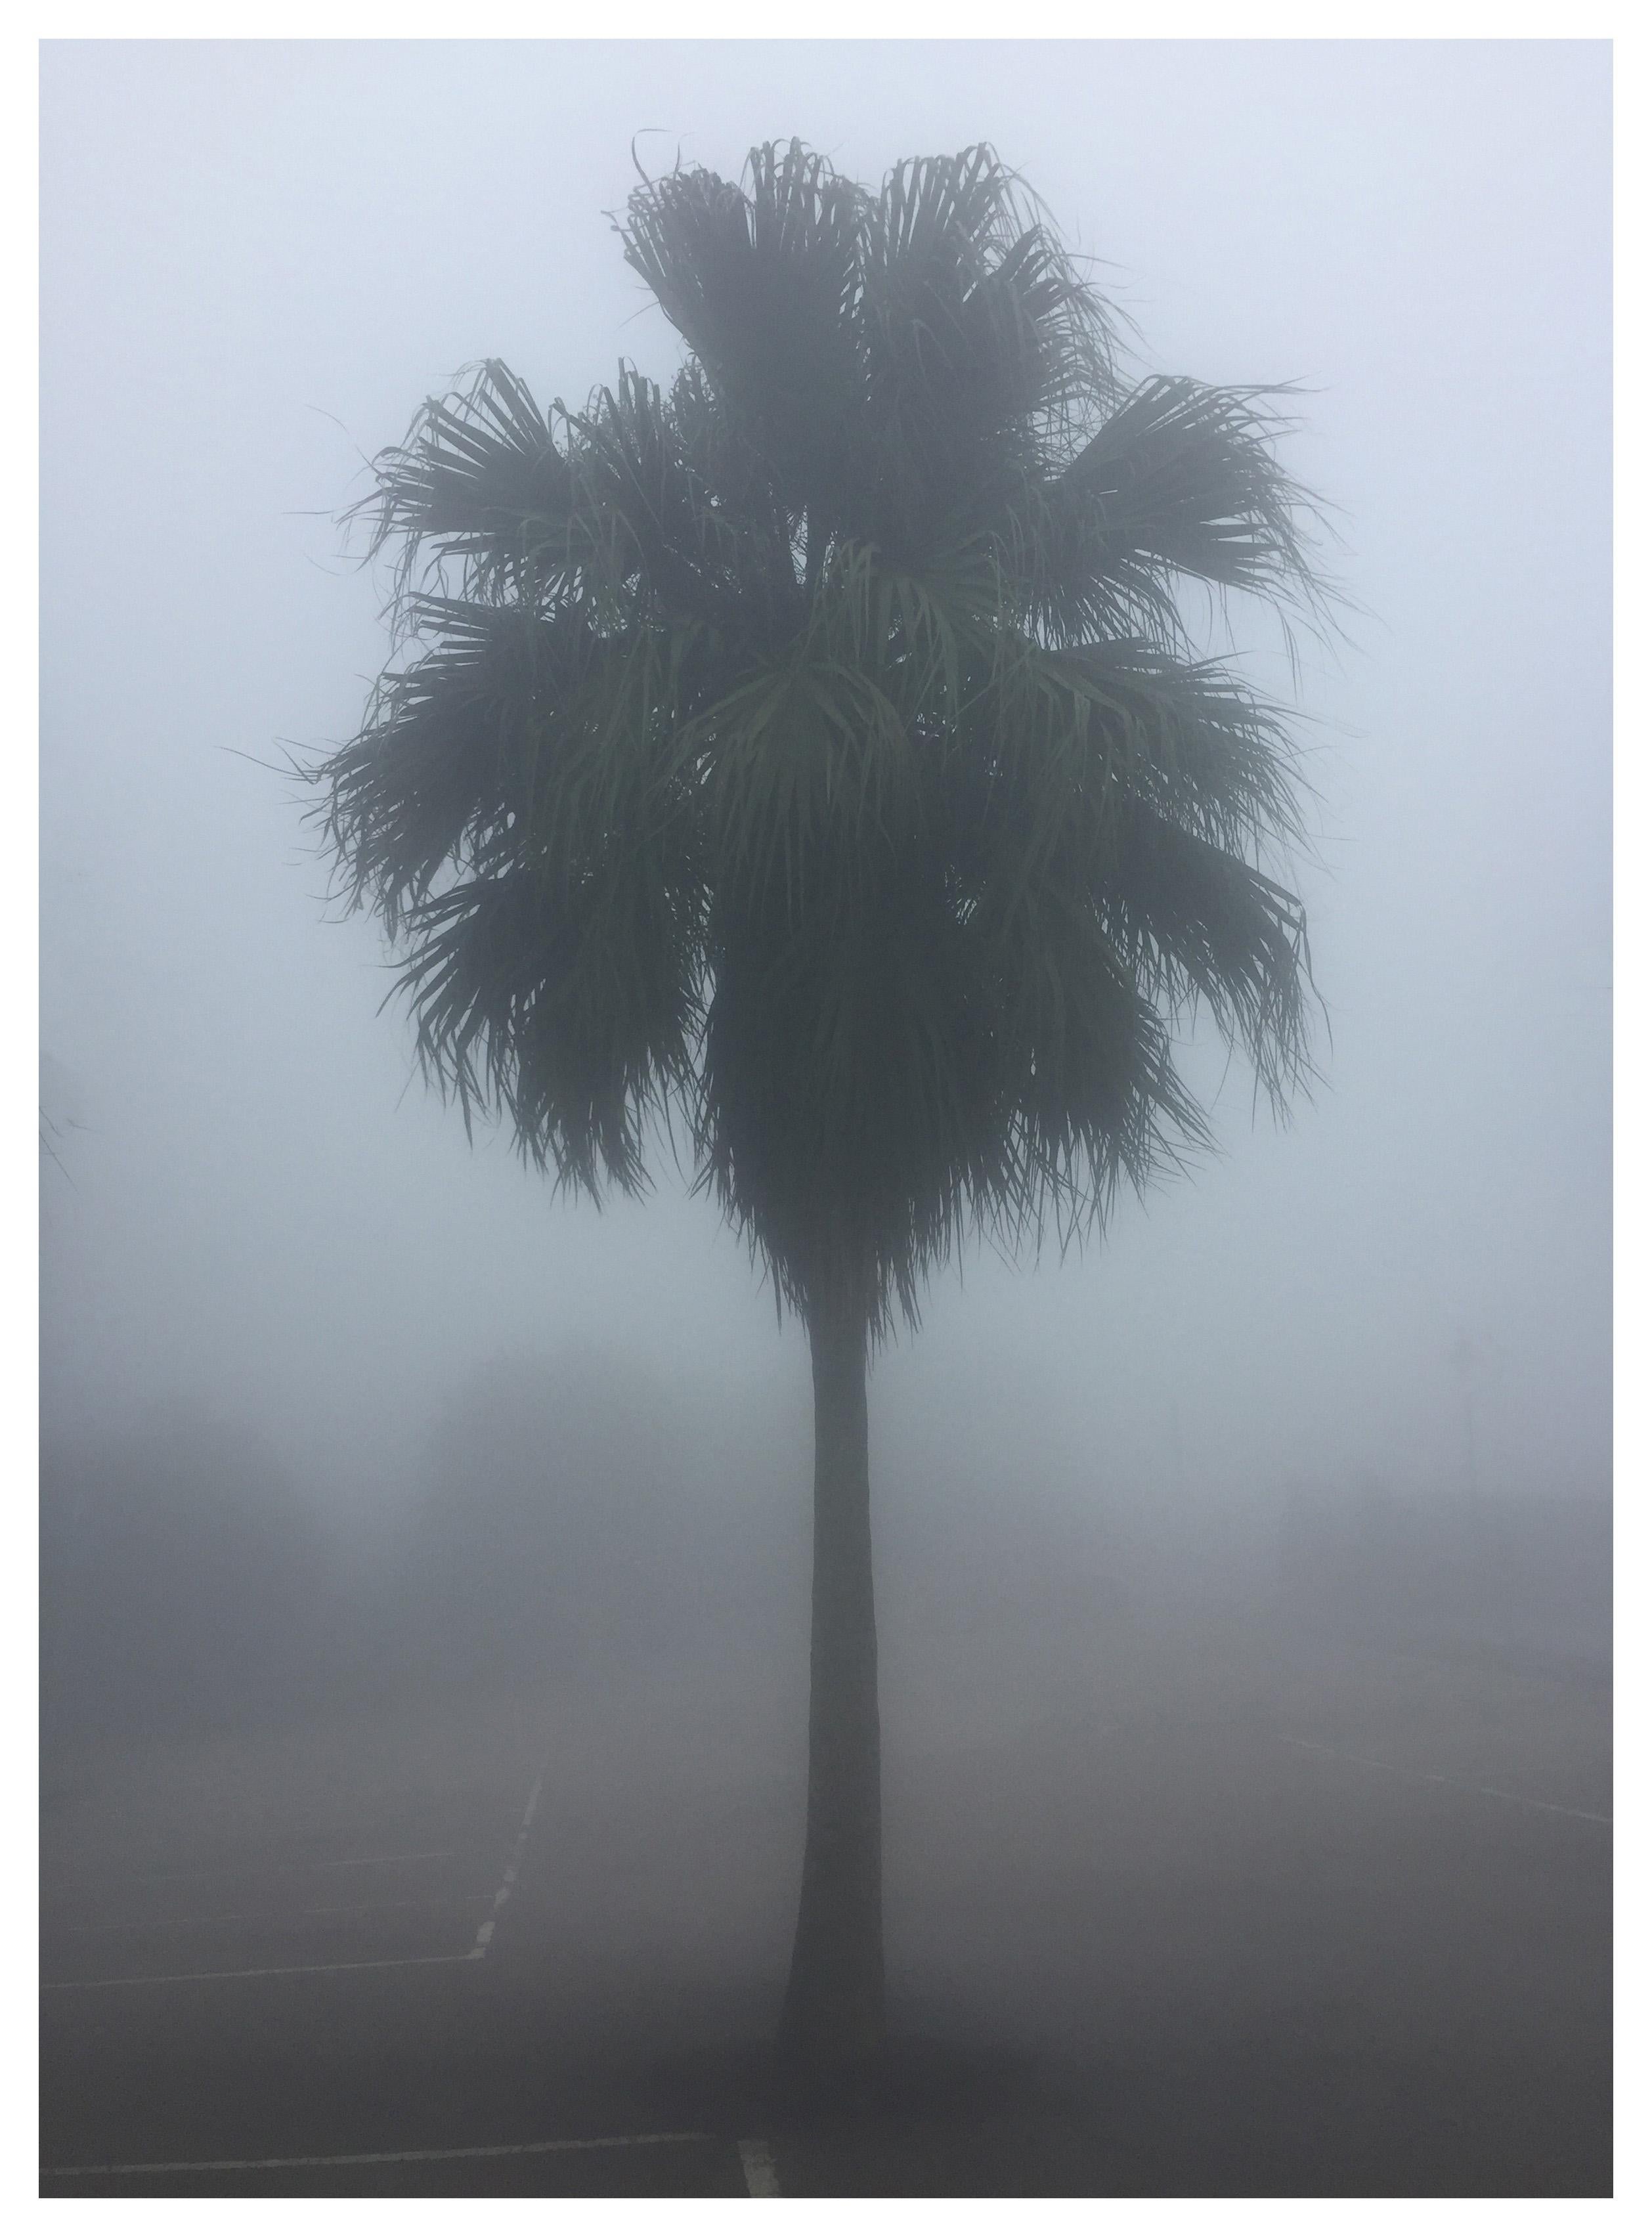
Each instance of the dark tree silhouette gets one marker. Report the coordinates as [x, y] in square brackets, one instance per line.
[818, 751]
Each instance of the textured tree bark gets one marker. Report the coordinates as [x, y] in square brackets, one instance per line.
[832, 2020]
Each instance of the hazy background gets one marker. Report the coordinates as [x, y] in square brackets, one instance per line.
[266, 1253]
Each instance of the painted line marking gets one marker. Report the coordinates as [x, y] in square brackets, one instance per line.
[404, 1857]
[758, 2162]
[269, 1871]
[477, 1951]
[266, 1972]
[390, 2159]
[512, 1862]
[1438, 1778]
[242, 1917]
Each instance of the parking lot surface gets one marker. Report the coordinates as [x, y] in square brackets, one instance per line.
[1294, 1923]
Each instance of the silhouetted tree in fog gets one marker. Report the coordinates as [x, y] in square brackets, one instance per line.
[183, 1580]
[550, 1523]
[816, 750]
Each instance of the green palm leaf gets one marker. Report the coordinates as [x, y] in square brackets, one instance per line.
[817, 753]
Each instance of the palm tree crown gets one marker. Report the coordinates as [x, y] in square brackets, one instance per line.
[818, 751]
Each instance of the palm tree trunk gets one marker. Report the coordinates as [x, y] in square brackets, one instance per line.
[832, 2021]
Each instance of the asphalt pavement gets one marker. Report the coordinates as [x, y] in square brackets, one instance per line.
[1253, 1929]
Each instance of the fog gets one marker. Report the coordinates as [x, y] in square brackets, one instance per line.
[340, 1408]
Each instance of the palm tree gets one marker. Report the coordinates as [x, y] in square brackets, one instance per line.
[812, 760]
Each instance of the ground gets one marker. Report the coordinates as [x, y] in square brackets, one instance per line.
[1216, 1905]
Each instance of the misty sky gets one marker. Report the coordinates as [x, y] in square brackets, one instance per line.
[257, 260]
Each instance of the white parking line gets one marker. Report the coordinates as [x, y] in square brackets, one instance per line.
[256, 1870]
[1438, 1778]
[759, 2163]
[502, 1894]
[479, 1949]
[393, 2159]
[403, 1857]
[243, 1917]
[266, 1972]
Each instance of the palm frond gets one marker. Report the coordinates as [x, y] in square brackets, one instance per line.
[1180, 481]
[479, 477]
[819, 752]
[757, 282]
